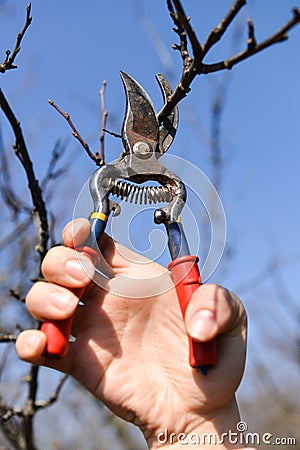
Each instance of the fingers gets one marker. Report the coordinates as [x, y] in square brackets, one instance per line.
[67, 267]
[213, 310]
[30, 345]
[50, 301]
[113, 254]
[64, 269]
[76, 232]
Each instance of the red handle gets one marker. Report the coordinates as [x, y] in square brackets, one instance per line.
[186, 276]
[58, 331]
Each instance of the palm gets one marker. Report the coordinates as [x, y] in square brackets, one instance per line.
[132, 354]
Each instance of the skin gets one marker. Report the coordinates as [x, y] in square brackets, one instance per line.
[132, 354]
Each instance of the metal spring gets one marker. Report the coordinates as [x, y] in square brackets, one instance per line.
[139, 194]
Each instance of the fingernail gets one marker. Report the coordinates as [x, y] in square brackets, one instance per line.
[80, 267]
[62, 301]
[76, 226]
[203, 325]
[33, 341]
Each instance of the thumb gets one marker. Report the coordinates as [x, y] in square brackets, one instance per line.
[213, 310]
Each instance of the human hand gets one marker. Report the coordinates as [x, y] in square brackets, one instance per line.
[132, 353]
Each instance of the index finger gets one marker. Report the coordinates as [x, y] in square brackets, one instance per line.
[76, 232]
[118, 257]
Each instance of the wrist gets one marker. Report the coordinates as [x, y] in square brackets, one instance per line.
[218, 432]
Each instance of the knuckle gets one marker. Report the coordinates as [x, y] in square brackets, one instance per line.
[53, 259]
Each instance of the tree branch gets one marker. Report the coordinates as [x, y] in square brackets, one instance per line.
[179, 29]
[8, 63]
[45, 403]
[112, 133]
[53, 172]
[29, 409]
[193, 66]
[103, 124]
[217, 33]
[96, 158]
[184, 20]
[17, 231]
[33, 184]
[279, 36]
[251, 41]
[11, 199]
[5, 338]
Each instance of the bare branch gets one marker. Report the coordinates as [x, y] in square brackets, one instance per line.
[179, 29]
[217, 33]
[54, 397]
[184, 20]
[280, 36]
[29, 409]
[52, 172]
[75, 133]
[19, 229]
[13, 293]
[6, 413]
[112, 133]
[33, 184]
[269, 270]
[251, 41]
[8, 63]
[195, 66]
[104, 119]
[5, 338]
[11, 199]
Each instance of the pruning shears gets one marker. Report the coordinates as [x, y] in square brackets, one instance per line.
[144, 141]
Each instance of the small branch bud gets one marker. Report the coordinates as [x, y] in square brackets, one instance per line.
[251, 41]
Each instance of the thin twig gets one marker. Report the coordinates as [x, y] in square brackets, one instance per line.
[13, 293]
[8, 63]
[179, 29]
[280, 36]
[217, 33]
[22, 154]
[45, 403]
[269, 270]
[75, 132]
[112, 133]
[19, 229]
[52, 172]
[103, 124]
[7, 338]
[185, 21]
[11, 199]
[6, 413]
[251, 41]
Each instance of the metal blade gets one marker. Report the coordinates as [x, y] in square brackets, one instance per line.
[140, 122]
[169, 126]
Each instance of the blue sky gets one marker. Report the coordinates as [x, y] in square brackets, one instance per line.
[68, 51]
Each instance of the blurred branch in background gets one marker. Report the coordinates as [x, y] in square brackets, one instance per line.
[30, 227]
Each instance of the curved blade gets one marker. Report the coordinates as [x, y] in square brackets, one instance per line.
[140, 122]
[169, 126]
